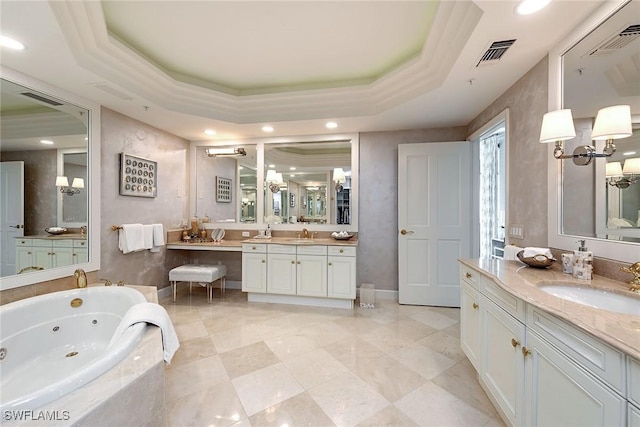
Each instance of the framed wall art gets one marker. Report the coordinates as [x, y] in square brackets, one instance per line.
[292, 200]
[138, 176]
[223, 190]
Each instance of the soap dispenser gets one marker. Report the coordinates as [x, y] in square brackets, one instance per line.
[582, 262]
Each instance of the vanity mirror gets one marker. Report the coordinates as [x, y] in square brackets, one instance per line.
[589, 71]
[47, 133]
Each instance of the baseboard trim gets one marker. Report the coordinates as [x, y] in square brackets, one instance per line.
[384, 294]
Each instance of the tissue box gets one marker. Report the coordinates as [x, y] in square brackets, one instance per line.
[368, 295]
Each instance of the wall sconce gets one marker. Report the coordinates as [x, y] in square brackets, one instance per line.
[339, 178]
[63, 183]
[226, 152]
[611, 123]
[274, 180]
[620, 177]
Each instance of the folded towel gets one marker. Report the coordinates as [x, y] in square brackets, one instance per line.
[154, 314]
[530, 252]
[510, 252]
[147, 233]
[158, 237]
[131, 238]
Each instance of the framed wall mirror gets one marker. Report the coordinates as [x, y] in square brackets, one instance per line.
[47, 133]
[589, 71]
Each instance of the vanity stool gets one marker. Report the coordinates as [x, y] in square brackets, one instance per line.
[204, 274]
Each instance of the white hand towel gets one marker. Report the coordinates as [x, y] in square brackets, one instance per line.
[510, 252]
[131, 238]
[147, 233]
[158, 237]
[154, 314]
[530, 252]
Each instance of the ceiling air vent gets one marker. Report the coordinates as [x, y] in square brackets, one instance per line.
[41, 98]
[495, 52]
[617, 41]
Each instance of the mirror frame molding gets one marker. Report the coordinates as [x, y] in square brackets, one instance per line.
[260, 170]
[615, 250]
[93, 188]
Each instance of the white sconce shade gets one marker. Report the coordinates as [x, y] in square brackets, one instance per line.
[78, 183]
[62, 181]
[557, 126]
[271, 176]
[632, 166]
[613, 169]
[339, 175]
[612, 123]
[279, 179]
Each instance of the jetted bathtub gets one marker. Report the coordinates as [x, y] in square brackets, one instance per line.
[55, 343]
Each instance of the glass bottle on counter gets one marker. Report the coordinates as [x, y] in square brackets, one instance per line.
[195, 225]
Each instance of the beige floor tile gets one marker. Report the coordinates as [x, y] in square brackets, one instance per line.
[193, 349]
[348, 400]
[314, 367]
[217, 405]
[325, 333]
[410, 329]
[193, 376]
[288, 346]
[386, 339]
[445, 344]
[430, 405]
[235, 338]
[190, 330]
[451, 312]
[352, 351]
[388, 377]
[388, 417]
[300, 410]
[247, 359]
[423, 360]
[357, 325]
[453, 330]
[432, 318]
[462, 381]
[266, 387]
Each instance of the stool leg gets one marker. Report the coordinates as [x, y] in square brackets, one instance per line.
[224, 284]
[210, 291]
[174, 290]
[190, 286]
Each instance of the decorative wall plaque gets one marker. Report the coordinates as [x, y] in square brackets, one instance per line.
[138, 176]
[223, 189]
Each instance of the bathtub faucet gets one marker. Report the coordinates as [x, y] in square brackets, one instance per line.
[81, 278]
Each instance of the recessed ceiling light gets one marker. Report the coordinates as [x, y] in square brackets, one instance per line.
[272, 166]
[628, 153]
[331, 125]
[527, 7]
[209, 132]
[292, 168]
[267, 128]
[46, 142]
[11, 43]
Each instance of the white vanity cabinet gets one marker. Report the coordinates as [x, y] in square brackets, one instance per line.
[254, 268]
[312, 271]
[633, 416]
[281, 269]
[470, 317]
[49, 253]
[341, 272]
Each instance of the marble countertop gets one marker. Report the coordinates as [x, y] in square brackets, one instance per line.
[621, 331]
[63, 236]
[274, 240]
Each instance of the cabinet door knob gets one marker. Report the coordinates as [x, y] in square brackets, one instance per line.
[330, 264]
[293, 262]
[253, 248]
[405, 232]
[467, 275]
[341, 251]
[515, 342]
[298, 262]
[29, 252]
[263, 261]
[475, 306]
[525, 351]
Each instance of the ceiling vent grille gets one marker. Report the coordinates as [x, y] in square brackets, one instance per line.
[495, 52]
[617, 41]
[41, 98]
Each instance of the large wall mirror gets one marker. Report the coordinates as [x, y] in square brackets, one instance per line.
[595, 68]
[46, 134]
[286, 182]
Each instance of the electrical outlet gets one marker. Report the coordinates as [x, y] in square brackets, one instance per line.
[516, 231]
[245, 234]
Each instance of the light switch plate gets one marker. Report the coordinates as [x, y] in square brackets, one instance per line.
[516, 231]
[245, 234]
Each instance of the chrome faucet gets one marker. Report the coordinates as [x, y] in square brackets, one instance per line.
[635, 270]
[81, 278]
[305, 233]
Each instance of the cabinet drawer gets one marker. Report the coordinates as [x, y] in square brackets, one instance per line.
[281, 249]
[254, 247]
[42, 242]
[66, 243]
[600, 359]
[23, 242]
[80, 244]
[342, 251]
[508, 302]
[469, 275]
[634, 382]
[312, 250]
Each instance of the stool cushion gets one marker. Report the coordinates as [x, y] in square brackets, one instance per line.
[197, 273]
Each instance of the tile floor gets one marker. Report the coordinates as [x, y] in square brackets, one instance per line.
[250, 364]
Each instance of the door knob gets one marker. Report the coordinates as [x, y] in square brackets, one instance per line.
[475, 306]
[403, 232]
[19, 226]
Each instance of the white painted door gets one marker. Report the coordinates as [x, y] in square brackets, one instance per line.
[434, 221]
[11, 213]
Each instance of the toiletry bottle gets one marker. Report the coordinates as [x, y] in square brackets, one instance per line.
[195, 221]
[582, 262]
[268, 233]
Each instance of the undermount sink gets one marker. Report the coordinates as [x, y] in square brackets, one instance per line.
[597, 298]
[300, 241]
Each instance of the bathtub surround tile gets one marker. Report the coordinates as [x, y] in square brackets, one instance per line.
[295, 365]
[266, 387]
